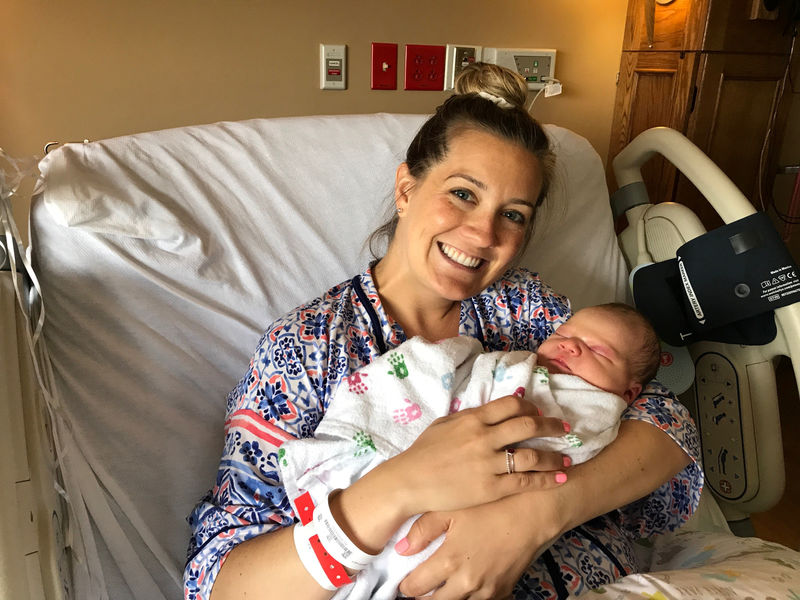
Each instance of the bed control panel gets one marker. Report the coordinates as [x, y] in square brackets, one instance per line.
[719, 416]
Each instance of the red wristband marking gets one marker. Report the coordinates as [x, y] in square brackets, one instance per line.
[333, 568]
[305, 508]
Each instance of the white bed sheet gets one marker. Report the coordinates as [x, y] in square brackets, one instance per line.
[163, 256]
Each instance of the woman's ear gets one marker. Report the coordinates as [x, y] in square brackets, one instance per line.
[403, 182]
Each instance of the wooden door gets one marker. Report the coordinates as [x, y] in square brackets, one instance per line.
[679, 25]
[738, 116]
[654, 89]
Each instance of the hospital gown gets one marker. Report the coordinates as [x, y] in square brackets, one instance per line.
[302, 359]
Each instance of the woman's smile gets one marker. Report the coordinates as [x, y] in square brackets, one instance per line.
[459, 257]
[464, 221]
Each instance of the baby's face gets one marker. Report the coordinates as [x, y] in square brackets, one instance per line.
[593, 345]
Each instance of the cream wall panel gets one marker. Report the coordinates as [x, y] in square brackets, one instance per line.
[75, 69]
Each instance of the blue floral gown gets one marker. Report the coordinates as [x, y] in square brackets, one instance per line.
[301, 360]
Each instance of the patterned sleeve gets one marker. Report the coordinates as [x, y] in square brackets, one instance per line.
[279, 398]
[520, 311]
[671, 505]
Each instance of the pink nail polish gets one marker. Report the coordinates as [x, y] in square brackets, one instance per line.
[560, 478]
[567, 462]
[566, 425]
[403, 544]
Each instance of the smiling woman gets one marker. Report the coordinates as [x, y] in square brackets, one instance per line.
[465, 199]
[460, 226]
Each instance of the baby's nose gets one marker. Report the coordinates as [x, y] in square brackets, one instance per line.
[571, 345]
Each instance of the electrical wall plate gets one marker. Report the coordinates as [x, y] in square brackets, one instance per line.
[457, 57]
[536, 65]
[383, 72]
[424, 67]
[332, 67]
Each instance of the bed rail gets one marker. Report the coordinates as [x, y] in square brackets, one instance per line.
[33, 549]
[734, 392]
[31, 521]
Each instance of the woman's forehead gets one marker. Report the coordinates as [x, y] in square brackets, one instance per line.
[490, 158]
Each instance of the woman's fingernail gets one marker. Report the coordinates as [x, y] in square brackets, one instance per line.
[567, 462]
[560, 478]
[403, 544]
[566, 426]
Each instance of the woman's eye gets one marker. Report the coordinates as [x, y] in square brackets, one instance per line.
[462, 195]
[515, 217]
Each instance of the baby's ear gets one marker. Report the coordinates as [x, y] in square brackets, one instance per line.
[633, 391]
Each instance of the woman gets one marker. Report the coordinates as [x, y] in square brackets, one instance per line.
[466, 197]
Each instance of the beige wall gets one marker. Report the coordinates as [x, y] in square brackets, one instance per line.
[74, 69]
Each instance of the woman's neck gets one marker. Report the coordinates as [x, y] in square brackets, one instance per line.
[416, 310]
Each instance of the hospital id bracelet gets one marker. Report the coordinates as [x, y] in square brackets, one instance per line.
[339, 545]
[325, 570]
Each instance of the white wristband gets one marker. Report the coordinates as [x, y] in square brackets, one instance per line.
[336, 542]
[302, 543]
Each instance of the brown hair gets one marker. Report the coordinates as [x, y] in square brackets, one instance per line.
[644, 360]
[468, 109]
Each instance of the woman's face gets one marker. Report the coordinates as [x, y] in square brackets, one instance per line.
[463, 223]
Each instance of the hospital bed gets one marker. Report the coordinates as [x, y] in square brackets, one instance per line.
[155, 262]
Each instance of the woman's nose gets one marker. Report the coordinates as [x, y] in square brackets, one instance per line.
[483, 230]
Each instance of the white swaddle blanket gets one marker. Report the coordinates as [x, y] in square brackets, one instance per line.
[385, 406]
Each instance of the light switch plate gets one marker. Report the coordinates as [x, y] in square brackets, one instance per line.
[383, 74]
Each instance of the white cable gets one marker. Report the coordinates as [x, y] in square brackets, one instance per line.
[763, 155]
[530, 106]
[549, 81]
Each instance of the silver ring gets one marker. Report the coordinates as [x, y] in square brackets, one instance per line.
[509, 460]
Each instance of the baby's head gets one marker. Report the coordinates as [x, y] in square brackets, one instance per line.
[611, 346]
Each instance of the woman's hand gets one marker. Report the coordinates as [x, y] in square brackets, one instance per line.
[460, 460]
[485, 551]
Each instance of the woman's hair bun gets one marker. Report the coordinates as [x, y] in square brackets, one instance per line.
[497, 81]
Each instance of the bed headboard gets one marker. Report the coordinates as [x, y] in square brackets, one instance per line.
[163, 256]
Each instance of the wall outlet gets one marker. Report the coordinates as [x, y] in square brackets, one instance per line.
[458, 57]
[534, 64]
[424, 67]
[383, 73]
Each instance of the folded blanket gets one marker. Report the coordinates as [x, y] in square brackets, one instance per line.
[382, 408]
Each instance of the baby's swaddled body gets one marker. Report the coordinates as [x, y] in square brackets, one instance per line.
[380, 410]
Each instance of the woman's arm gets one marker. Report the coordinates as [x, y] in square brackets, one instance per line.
[457, 462]
[641, 459]
[268, 566]
[520, 527]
